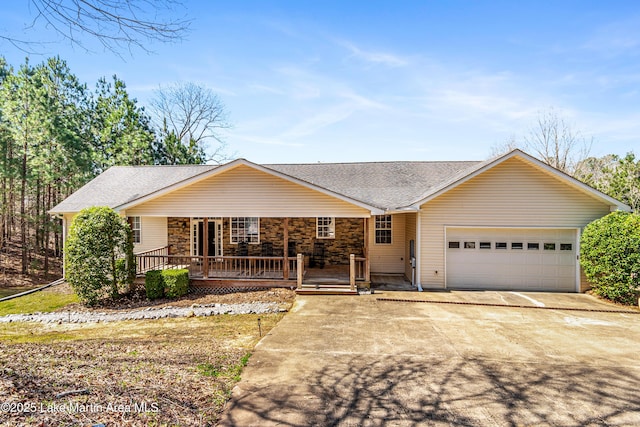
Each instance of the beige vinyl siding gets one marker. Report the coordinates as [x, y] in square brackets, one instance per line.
[388, 258]
[410, 234]
[244, 191]
[153, 233]
[512, 194]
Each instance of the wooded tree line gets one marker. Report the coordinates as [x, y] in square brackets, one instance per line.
[57, 133]
[616, 176]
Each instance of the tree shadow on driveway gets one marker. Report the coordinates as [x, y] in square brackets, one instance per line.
[403, 391]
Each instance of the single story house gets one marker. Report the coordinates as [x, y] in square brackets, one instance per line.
[512, 222]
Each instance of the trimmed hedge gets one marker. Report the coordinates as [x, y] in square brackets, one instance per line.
[169, 283]
[610, 256]
[176, 282]
[154, 284]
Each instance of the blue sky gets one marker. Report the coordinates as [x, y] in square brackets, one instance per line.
[389, 80]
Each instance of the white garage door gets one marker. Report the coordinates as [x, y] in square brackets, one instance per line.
[518, 259]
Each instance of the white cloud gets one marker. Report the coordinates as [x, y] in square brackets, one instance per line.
[361, 102]
[319, 120]
[374, 57]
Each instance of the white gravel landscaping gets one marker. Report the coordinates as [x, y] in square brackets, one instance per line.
[147, 313]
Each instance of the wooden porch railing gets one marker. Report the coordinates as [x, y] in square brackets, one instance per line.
[229, 267]
[248, 267]
[151, 259]
[241, 267]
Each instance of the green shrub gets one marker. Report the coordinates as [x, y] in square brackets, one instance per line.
[154, 284]
[126, 270]
[610, 256]
[99, 255]
[176, 282]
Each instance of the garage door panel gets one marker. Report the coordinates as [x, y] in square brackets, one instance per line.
[525, 265]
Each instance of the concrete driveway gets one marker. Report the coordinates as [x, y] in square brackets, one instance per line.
[365, 361]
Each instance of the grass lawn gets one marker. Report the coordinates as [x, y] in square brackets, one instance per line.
[167, 372]
[50, 299]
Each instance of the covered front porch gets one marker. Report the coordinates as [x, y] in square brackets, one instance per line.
[265, 252]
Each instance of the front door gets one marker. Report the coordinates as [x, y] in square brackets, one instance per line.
[213, 239]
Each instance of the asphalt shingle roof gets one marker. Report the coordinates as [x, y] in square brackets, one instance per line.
[386, 185]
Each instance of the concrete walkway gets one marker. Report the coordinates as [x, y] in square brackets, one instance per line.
[361, 361]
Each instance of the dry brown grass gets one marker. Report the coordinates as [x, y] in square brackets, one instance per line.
[182, 369]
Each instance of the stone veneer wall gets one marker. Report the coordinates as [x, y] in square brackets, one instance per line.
[349, 237]
[178, 238]
[349, 240]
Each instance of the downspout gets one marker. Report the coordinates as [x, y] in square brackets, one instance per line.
[64, 240]
[578, 271]
[418, 250]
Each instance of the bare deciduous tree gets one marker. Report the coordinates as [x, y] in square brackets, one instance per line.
[509, 144]
[194, 114]
[114, 23]
[553, 141]
[556, 143]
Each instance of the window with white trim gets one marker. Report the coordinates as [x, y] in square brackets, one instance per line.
[245, 229]
[136, 228]
[326, 227]
[383, 229]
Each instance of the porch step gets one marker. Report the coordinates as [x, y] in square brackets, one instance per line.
[325, 289]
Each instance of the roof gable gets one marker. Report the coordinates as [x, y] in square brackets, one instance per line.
[480, 168]
[120, 185]
[247, 191]
[243, 162]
